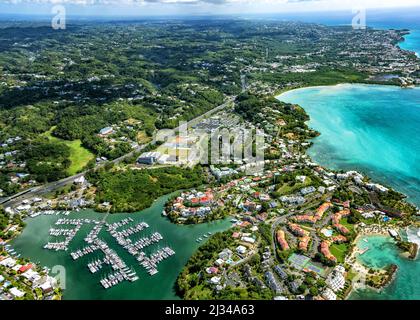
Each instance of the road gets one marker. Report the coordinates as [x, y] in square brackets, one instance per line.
[52, 186]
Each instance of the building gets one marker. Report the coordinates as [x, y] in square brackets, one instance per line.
[325, 250]
[16, 293]
[281, 239]
[273, 283]
[241, 249]
[281, 273]
[328, 294]
[106, 131]
[149, 158]
[298, 200]
[376, 187]
[307, 190]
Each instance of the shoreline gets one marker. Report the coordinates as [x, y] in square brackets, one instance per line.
[277, 96]
[374, 230]
[358, 266]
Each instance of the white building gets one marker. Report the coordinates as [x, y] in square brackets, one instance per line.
[15, 292]
[328, 294]
[336, 279]
[241, 249]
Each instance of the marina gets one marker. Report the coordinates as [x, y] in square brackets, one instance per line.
[121, 231]
[84, 275]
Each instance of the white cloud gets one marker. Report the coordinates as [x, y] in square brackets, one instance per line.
[210, 6]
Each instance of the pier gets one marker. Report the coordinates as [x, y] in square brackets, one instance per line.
[121, 231]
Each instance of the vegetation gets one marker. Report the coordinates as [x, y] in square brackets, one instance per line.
[79, 156]
[134, 190]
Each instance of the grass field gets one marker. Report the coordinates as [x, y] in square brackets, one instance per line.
[79, 156]
[339, 251]
[287, 189]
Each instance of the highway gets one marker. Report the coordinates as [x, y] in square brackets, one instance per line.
[52, 186]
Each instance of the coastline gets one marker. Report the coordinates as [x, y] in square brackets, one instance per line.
[363, 270]
[371, 230]
[277, 96]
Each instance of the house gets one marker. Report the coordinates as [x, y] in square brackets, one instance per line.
[22, 175]
[15, 292]
[328, 294]
[106, 131]
[248, 239]
[8, 262]
[80, 181]
[25, 268]
[307, 190]
[225, 254]
[212, 270]
[219, 262]
[31, 275]
[46, 287]
[241, 249]
[301, 178]
[336, 279]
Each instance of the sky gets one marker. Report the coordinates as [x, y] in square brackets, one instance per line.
[193, 7]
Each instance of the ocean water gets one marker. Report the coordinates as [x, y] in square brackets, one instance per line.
[371, 128]
[376, 130]
[395, 18]
[383, 252]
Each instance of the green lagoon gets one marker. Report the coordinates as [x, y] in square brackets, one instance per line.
[371, 128]
[376, 130]
[382, 252]
[81, 284]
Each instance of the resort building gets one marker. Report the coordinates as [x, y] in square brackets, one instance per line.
[336, 279]
[281, 239]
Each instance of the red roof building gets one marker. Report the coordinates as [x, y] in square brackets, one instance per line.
[25, 268]
[281, 239]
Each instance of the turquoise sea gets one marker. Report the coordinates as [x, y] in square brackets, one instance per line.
[412, 42]
[374, 129]
[82, 285]
[382, 251]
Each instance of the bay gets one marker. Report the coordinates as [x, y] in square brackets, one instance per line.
[81, 284]
[371, 128]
